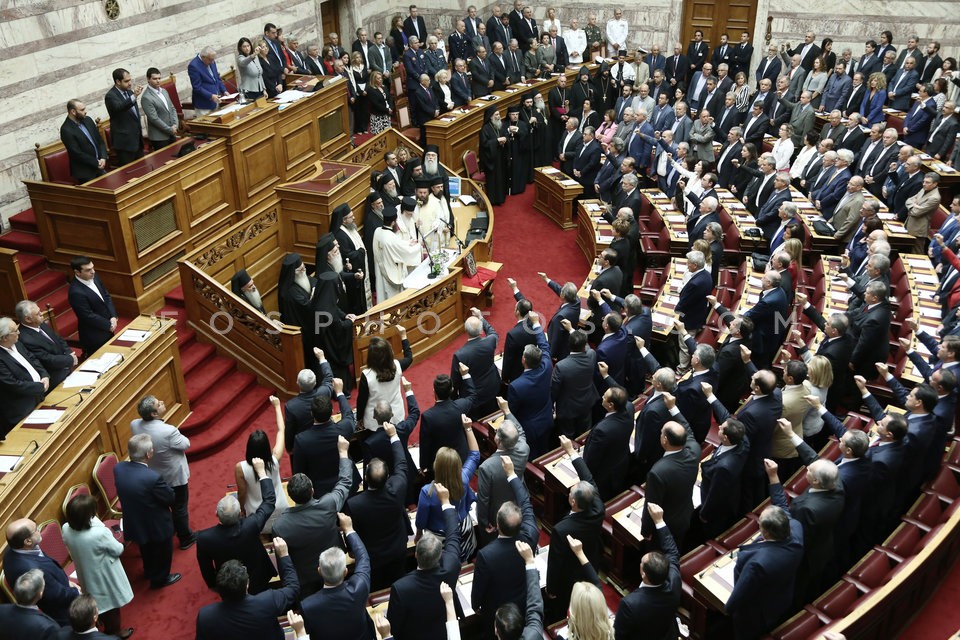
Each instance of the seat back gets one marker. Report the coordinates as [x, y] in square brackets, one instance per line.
[838, 601]
[103, 477]
[873, 569]
[52, 544]
[7, 589]
[55, 167]
[81, 489]
[470, 163]
[170, 84]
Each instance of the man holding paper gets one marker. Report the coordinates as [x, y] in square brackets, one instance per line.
[23, 380]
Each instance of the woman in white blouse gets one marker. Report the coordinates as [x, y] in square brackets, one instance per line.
[551, 21]
[783, 147]
[441, 90]
[803, 158]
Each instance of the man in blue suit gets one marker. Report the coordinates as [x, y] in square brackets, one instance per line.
[339, 610]
[569, 310]
[829, 196]
[916, 126]
[837, 91]
[241, 615]
[529, 395]
[768, 219]
[315, 449]
[206, 82]
[692, 304]
[23, 619]
[769, 316]
[903, 85]
[615, 343]
[460, 84]
[690, 399]
[765, 573]
[23, 555]
[147, 518]
[641, 142]
[92, 304]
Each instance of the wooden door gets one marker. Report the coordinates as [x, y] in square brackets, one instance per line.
[718, 17]
[330, 21]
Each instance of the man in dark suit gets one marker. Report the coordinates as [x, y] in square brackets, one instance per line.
[720, 477]
[481, 74]
[52, 351]
[609, 277]
[854, 99]
[498, 573]
[584, 523]
[741, 56]
[871, 329]
[569, 310]
[296, 412]
[650, 611]
[425, 106]
[770, 319]
[726, 170]
[377, 444]
[943, 132]
[379, 511]
[315, 450]
[692, 304]
[756, 125]
[23, 619]
[765, 572]
[242, 615]
[339, 610]
[572, 387]
[310, 525]
[441, 425]
[837, 90]
[730, 366]
[677, 69]
[84, 145]
[460, 84]
[498, 64]
[416, 609]
[529, 393]
[54, 593]
[671, 478]
[93, 306]
[758, 415]
[238, 538]
[83, 622]
[690, 400]
[518, 337]
[126, 137]
[647, 447]
[23, 380]
[586, 163]
[837, 348]
[903, 84]
[607, 449]
[147, 519]
[414, 25]
[477, 353]
[697, 51]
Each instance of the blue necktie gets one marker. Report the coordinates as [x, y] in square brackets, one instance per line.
[87, 135]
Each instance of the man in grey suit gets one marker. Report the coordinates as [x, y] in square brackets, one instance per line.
[310, 526]
[169, 460]
[163, 126]
[801, 117]
[492, 487]
[378, 55]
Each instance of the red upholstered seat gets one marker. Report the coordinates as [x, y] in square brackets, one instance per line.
[737, 534]
[103, 477]
[472, 167]
[945, 484]
[903, 542]
[800, 627]
[83, 489]
[52, 544]
[838, 601]
[873, 570]
[57, 167]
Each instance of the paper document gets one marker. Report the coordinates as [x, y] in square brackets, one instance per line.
[467, 200]
[7, 463]
[569, 183]
[80, 379]
[230, 108]
[101, 364]
[44, 416]
[133, 335]
[291, 95]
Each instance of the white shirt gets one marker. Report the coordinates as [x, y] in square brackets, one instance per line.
[617, 33]
[92, 285]
[23, 362]
[802, 161]
[576, 40]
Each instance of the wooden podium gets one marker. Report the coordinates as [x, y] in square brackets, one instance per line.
[594, 234]
[555, 194]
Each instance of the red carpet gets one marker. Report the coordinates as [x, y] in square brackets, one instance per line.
[525, 242]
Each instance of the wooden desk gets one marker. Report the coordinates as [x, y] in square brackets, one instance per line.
[715, 583]
[923, 281]
[743, 220]
[63, 453]
[663, 310]
[594, 234]
[555, 192]
[674, 220]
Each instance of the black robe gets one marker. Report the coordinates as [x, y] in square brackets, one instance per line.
[604, 92]
[517, 151]
[294, 306]
[335, 335]
[539, 137]
[371, 222]
[356, 295]
[494, 162]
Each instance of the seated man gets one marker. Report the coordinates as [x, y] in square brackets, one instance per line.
[23, 380]
[23, 554]
[23, 619]
[52, 351]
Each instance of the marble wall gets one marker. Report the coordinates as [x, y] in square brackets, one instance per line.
[54, 50]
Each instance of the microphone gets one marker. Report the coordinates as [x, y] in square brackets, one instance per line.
[26, 450]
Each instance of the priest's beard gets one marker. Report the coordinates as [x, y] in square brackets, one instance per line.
[495, 121]
[431, 167]
[303, 281]
[335, 260]
[351, 226]
[253, 297]
[390, 191]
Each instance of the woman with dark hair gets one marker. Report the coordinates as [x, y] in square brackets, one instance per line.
[380, 379]
[827, 57]
[258, 446]
[742, 178]
[399, 38]
[96, 555]
[251, 73]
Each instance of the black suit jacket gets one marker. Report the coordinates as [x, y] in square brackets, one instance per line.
[19, 394]
[720, 488]
[416, 610]
[557, 336]
[670, 485]
[420, 29]
[27, 622]
[125, 132]
[759, 416]
[481, 72]
[679, 71]
[647, 448]
[692, 403]
[218, 544]
[341, 611]
[146, 499]
[52, 351]
[57, 592]
[872, 332]
[296, 412]
[424, 104]
[380, 516]
[254, 616]
[608, 279]
[84, 158]
[607, 451]
[854, 100]
[572, 386]
[93, 314]
[478, 355]
[442, 426]
[315, 451]
[650, 611]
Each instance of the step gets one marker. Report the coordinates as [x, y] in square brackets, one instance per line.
[202, 378]
[45, 282]
[22, 241]
[213, 406]
[194, 354]
[184, 336]
[24, 221]
[174, 298]
[174, 312]
[67, 325]
[58, 299]
[31, 264]
[252, 406]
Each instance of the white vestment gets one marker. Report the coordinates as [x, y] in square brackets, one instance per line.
[394, 257]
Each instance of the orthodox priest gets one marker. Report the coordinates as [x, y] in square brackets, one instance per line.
[294, 292]
[244, 288]
[393, 256]
[329, 305]
[372, 220]
[517, 150]
[389, 190]
[412, 171]
[343, 226]
[434, 215]
[534, 116]
[493, 158]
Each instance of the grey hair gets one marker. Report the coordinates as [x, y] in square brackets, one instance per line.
[633, 305]
[228, 510]
[880, 262]
[790, 207]
[28, 587]
[877, 289]
[667, 379]
[472, 326]
[508, 434]
[589, 131]
[306, 380]
[696, 257]
[7, 326]
[881, 248]
[428, 551]
[706, 354]
[825, 472]
[630, 178]
[569, 292]
[574, 121]
[24, 308]
[532, 355]
[846, 155]
[333, 562]
[683, 145]
[139, 447]
[711, 203]
[208, 51]
[840, 322]
[413, 40]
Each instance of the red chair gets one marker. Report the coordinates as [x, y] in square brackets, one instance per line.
[736, 535]
[472, 167]
[103, 478]
[696, 561]
[798, 483]
[872, 571]
[837, 602]
[902, 543]
[83, 489]
[53, 545]
[731, 244]
[170, 84]
[56, 168]
[926, 511]
[800, 627]
[945, 485]
[657, 250]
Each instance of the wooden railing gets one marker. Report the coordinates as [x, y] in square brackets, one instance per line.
[12, 289]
